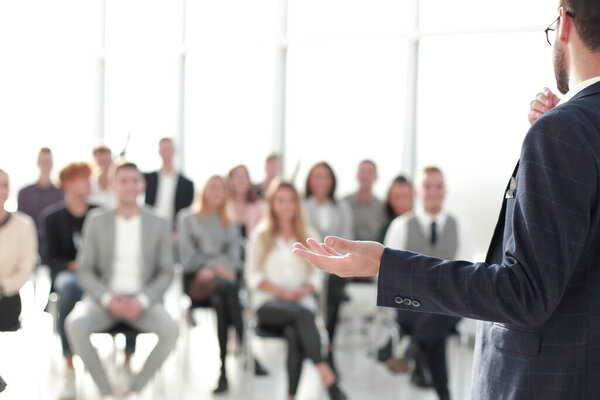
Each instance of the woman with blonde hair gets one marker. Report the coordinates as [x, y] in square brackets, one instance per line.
[283, 285]
[210, 251]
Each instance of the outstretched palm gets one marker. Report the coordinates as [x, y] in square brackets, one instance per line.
[342, 257]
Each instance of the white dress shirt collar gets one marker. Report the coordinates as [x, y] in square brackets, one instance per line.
[425, 219]
[578, 88]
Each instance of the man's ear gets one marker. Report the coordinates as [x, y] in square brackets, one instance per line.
[565, 25]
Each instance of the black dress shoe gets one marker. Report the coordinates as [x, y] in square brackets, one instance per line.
[2, 384]
[335, 393]
[222, 386]
[445, 396]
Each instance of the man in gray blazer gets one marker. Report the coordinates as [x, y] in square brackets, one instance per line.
[125, 268]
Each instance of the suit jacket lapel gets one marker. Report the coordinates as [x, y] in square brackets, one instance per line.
[146, 245]
[109, 238]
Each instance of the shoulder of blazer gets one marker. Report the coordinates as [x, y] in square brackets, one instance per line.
[150, 217]
[183, 181]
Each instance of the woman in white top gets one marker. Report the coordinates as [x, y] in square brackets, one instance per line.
[18, 255]
[283, 285]
[330, 217]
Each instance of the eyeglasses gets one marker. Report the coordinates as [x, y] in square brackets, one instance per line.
[553, 26]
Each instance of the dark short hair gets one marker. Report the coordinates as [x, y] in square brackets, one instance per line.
[368, 161]
[331, 193]
[399, 180]
[586, 20]
[126, 165]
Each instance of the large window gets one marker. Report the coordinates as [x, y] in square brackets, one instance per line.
[346, 87]
[229, 85]
[334, 76]
[142, 43]
[47, 83]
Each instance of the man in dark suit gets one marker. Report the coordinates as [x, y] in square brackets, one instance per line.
[167, 190]
[540, 285]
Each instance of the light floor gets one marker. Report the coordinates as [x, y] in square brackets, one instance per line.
[31, 362]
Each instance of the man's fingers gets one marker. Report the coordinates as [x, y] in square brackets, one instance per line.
[315, 259]
[316, 246]
[300, 246]
[330, 251]
[340, 244]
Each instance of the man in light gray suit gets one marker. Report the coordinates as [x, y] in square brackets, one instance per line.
[125, 268]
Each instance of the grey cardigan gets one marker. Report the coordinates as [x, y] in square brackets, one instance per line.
[97, 254]
[205, 242]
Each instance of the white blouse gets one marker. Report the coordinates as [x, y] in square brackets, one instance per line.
[281, 268]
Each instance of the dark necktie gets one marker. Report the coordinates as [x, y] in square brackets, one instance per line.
[433, 232]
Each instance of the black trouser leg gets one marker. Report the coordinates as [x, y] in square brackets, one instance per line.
[279, 313]
[229, 293]
[431, 331]
[218, 303]
[295, 358]
[10, 309]
[335, 296]
[436, 358]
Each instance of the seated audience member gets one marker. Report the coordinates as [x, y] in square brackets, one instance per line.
[367, 210]
[430, 230]
[102, 194]
[167, 190]
[399, 201]
[210, 251]
[18, 253]
[247, 208]
[125, 267]
[273, 169]
[33, 199]
[283, 286]
[330, 217]
[63, 223]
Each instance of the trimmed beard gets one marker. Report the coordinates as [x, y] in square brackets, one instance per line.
[560, 68]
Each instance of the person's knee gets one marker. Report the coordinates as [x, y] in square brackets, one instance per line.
[76, 326]
[70, 290]
[169, 331]
[290, 334]
[304, 314]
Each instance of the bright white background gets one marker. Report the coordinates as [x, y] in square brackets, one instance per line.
[480, 64]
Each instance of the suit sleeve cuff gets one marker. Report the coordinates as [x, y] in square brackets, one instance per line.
[394, 286]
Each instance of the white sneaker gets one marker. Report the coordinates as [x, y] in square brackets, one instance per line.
[68, 390]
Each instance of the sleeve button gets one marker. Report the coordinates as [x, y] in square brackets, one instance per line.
[416, 303]
[407, 302]
[398, 300]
